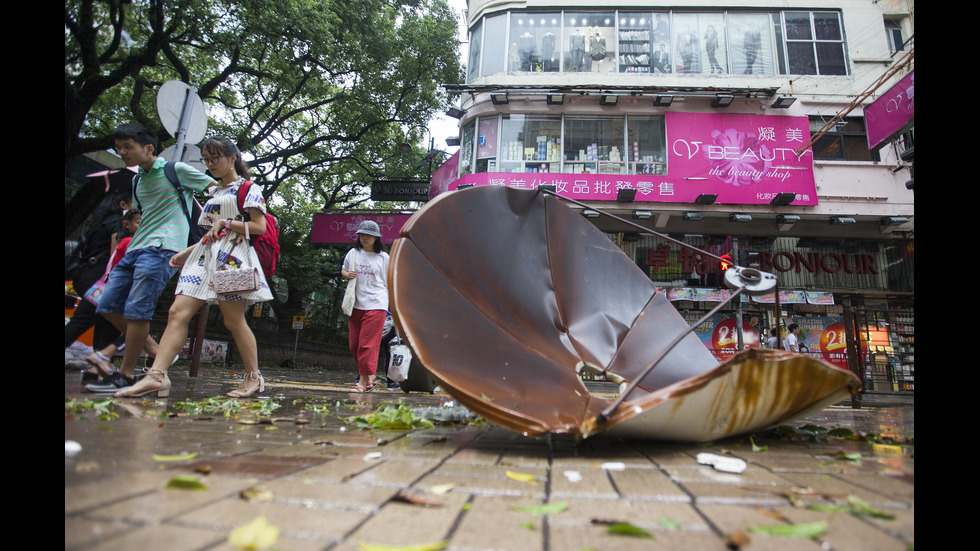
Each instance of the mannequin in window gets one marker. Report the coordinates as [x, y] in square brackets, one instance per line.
[576, 46]
[752, 44]
[687, 45]
[525, 50]
[597, 46]
[661, 60]
[548, 52]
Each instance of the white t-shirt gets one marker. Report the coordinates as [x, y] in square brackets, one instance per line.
[789, 344]
[372, 278]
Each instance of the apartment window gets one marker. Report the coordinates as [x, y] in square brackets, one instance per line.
[893, 31]
[814, 43]
[846, 141]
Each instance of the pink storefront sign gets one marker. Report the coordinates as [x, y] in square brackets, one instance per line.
[743, 159]
[891, 113]
[341, 228]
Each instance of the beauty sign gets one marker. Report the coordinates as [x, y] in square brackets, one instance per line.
[741, 158]
[825, 338]
[891, 113]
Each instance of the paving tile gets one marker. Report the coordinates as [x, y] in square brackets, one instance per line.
[848, 533]
[294, 521]
[301, 491]
[164, 503]
[159, 538]
[80, 498]
[839, 488]
[649, 515]
[581, 481]
[491, 524]
[647, 484]
[596, 537]
[488, 480]
[402, 523]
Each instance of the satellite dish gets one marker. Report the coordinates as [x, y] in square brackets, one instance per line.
[192, 156]
[170, 106]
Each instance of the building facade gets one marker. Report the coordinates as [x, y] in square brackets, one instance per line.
[735, 127]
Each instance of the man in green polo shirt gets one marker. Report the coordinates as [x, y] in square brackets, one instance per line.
[135, 284]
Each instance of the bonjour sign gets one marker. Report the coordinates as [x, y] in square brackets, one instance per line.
[399, 191]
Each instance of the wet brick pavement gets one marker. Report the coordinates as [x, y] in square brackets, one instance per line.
[336, 487]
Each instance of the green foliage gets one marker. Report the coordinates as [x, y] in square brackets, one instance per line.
[316, 93]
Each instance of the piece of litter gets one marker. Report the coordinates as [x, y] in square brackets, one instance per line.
[72, 447]
[372, 455]
[573, 476]
[722, 463]
[614, 466]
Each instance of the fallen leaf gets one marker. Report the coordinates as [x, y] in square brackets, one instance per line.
[204, 469]
[669, 524]
[520, 477]
[626, 529]
[416, 498]
[546, 509]
[186, 482]
[440, 489]
[807, 530]
[257, 534]
[174, 457]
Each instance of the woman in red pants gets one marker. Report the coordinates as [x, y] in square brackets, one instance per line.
[368, 262]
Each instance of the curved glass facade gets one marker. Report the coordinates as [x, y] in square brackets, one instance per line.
[664, 42]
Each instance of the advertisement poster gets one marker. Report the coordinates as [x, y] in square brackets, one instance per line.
[891, 113]
[341, 228]
[212, 352]
[719, 335]
[823, 338]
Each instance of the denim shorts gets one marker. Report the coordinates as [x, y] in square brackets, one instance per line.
[135, 284]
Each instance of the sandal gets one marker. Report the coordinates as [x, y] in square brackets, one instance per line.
[251, 382]
[359, 388]
[155, 381]
[103, 365]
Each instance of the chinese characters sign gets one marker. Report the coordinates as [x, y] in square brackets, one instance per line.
[743, 159]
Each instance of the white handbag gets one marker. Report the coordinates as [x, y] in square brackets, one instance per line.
[348, 305]
[245, 279]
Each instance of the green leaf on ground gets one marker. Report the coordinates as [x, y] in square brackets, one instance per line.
[186, 482]
[546, 509]
[807, 530]
[180, 457]
[627, 529]
[389, 417]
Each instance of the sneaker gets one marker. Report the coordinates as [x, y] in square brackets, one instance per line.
[393, 385]
[111, 384]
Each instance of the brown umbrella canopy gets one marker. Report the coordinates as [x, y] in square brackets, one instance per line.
[507, 295]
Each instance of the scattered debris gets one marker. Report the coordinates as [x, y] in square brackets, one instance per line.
[416, 498]
[72, 447]
[722, 463]
[179, 457]
[520, 477]
[256, 494]
[541, 510]
[807, 530]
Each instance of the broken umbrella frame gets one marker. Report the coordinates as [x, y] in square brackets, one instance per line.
[507, 296]
[748, 280]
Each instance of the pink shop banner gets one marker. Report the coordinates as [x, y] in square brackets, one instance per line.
[891, 113]
[743, 159]
[341, 228]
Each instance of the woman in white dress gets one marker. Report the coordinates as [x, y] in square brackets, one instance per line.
[224, 244]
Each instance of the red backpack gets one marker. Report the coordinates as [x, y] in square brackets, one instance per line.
[267, 244]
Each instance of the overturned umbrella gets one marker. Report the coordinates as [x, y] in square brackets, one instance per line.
[508, 296]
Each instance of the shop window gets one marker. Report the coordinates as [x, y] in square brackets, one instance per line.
[590, 42]
[847, 141]
[534, 42]
[466, 149]
[530, 143]
[594, 145]
[476, 41]
[645, 145]
[814, 43]
[751, 36]
[636, 35]
[494, 45]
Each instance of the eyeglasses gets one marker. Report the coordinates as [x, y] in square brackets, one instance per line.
[211, 160]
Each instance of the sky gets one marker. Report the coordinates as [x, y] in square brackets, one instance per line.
[444, 126]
